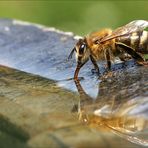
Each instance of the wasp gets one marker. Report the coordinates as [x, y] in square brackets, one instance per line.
[126, 42]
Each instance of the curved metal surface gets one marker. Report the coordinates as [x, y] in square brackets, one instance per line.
[115, 103]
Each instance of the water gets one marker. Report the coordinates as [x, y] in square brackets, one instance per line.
[116, 102]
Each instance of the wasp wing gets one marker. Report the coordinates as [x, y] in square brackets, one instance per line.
[137, 25]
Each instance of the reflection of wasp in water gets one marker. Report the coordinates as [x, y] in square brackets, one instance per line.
[115, 115]
[124, 42]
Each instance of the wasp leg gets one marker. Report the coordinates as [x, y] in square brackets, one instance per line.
[145, 63]
[95, 64]
[130, 51]
[124, 57]
[108, 58]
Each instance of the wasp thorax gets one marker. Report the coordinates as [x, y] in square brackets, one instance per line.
[82, 52]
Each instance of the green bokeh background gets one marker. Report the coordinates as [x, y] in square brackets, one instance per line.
[80, 17]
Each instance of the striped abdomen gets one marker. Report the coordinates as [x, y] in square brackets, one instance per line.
[136, 40]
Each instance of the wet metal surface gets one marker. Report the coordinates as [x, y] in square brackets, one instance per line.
[121, 105]
[41, 104]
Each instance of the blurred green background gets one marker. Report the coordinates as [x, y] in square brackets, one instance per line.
[80, 17]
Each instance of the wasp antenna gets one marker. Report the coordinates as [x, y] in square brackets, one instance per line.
[71, 54]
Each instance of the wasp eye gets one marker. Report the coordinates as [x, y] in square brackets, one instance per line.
[81, 49]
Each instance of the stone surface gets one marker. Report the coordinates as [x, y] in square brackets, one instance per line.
[40, 107]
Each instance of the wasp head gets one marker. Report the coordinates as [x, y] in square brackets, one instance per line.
[82, 54]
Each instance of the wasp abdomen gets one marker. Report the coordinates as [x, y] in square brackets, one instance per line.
[136, 40]
[143, 45]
